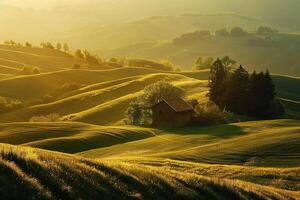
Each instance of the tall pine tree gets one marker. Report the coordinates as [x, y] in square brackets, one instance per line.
[262, 93]
[217, 80]
[236, 98]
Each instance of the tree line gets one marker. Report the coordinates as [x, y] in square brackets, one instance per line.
[238, 91]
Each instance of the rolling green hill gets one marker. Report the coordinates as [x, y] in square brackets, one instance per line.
[42, 84]
[105, 92]
[69, 137]
[33, 173]
[13, 58]
[258, 143]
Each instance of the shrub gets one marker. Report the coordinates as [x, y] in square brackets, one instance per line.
[27, 44]
[113, 60]
[47, 45]
[66, 47]
[29, 70]
[10, 42]
[7, 105]
[92, 59]
[79, 54]
[210, 114]
[58, 46]
[77, 66]
[53, 117]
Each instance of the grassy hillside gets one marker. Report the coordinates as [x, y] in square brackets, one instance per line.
[69, 137]
[42, 84]
[258, 143]
[13, 58]
[91, 103]
[37, 174]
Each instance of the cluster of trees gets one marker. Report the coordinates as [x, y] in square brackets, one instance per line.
[7, 105]
[12, 43]
[46, 45]
[237, 91]
[88, 57]
[58, 46]
[207, 62]
[139, 112]
[239, 31]
[191, 37]
[234, 32]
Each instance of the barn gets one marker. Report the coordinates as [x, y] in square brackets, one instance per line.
[175, 112]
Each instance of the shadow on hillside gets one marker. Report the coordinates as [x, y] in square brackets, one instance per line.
[224, 131]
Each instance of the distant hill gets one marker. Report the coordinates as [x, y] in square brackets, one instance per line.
[276, 52]
[14, 58]
[157, 28]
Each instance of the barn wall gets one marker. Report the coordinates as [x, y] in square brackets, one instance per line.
[163, 115]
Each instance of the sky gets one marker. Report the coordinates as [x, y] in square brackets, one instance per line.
[39, 19]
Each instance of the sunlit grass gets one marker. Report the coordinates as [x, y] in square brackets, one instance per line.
[46, 175]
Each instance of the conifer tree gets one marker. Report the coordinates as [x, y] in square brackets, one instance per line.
[217, 80]
[262, 91]
[237, 92]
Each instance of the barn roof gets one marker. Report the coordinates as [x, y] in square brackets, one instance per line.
[178, 104]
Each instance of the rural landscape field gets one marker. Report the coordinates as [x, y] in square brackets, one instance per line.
[140, 99]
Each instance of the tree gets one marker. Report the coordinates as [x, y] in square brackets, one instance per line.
[47, 45]
[222, 32]
[237, 92]
[237, 32]
[133, 114]
[262, 91]
[92, 59]
[158, 91]
[27, 44]
[113, 60]
[203, 63]
[79, 54]
[139, 112]
[228, 62]
[217, 80]
[58, 46]
[66, 47]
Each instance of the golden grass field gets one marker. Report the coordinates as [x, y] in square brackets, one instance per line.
[89, 153]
